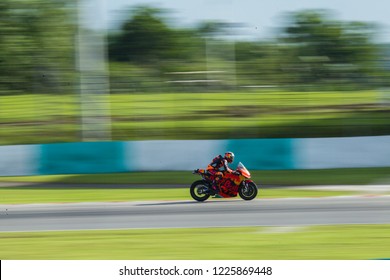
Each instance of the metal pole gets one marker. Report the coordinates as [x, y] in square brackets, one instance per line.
[93, 71]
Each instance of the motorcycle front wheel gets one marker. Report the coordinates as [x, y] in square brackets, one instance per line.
[248, 191]
[199, 190]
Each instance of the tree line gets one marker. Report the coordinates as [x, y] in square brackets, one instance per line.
[313, 49]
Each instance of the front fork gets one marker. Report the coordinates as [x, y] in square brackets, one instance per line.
[245, 184]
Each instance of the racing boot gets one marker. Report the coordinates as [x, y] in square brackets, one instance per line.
[214, 188]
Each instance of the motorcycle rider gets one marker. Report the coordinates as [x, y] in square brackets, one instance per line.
[218, 165]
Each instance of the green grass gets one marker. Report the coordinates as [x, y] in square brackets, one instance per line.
[340, 176]
[144, 185]
[36, 194]
[351, 242]
[36, 118]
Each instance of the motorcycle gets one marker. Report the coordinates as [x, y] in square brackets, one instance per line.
[230, 185]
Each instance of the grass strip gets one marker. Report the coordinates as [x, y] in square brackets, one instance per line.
[43, 118]
[36, 194]
[341, 176]
[351, 242]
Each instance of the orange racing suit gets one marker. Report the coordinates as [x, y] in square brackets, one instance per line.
[216, 168]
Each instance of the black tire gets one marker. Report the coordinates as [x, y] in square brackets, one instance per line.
[248, 191]
[199, 190]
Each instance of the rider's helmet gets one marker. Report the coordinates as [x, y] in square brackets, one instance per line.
[229, 156]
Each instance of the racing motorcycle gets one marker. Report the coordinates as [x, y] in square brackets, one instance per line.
[230, 185]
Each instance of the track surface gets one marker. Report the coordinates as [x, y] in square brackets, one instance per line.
[212, 213]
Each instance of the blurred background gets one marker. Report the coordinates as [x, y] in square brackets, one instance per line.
[243, 75]
[73, 71]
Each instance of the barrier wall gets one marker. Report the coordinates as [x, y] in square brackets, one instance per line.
[256, 154]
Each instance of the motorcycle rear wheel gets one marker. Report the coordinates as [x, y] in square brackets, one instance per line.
[248, 191]
[199, 190]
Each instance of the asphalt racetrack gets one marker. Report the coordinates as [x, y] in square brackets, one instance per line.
[187, 214]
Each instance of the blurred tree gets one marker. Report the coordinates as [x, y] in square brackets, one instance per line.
[152, 49]
[211, 28]
[145, 37]
[314, 49]
[258, 64]
[36, 45]
[322, 49]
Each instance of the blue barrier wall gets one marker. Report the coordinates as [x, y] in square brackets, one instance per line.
[256, 154]
[89, 157]
[263, 154]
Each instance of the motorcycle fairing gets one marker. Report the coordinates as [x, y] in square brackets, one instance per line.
[242, 169]
[230, 182]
